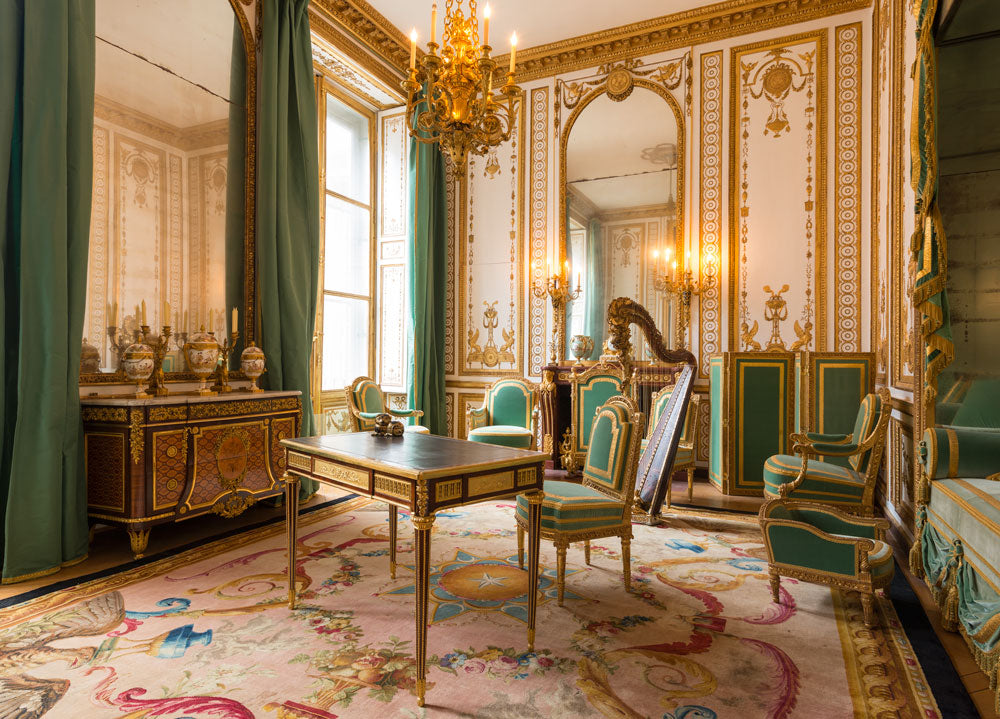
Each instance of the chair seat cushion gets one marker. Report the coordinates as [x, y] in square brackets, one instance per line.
[506, 435]
[570, 507]
[416, 429]
[824, 482]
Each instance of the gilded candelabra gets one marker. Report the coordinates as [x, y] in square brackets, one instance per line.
[685, 288]
[449, 96]
[558, 289]
[119, 340]
[157, 383]
[222, 373]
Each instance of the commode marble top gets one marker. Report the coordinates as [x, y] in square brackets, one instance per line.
[183, 398]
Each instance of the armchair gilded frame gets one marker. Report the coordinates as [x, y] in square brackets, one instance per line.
[873, 443]
[249, 311]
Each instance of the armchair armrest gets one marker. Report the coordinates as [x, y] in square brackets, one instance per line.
[406, 412]
[829, 450]
[825, 518]
[478, 417]
[827, 438]
[800, 544]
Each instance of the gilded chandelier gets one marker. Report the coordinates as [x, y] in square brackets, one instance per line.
[449, 95]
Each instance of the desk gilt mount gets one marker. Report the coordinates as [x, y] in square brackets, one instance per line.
[422, 474]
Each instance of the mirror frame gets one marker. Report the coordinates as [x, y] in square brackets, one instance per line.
[250, 217]
[613, 88]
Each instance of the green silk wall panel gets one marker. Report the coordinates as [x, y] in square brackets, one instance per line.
[715, 421]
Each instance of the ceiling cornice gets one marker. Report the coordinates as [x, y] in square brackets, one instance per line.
[693, 27]
[366, 25]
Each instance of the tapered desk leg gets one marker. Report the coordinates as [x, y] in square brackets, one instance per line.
[393, 518]
[291, 524]
[422, 550]
[534, 535]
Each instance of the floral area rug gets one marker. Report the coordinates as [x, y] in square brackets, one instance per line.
[207, 634]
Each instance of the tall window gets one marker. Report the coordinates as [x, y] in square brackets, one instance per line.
[347, 309]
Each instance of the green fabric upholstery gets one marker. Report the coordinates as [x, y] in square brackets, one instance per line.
[504, 435]
[798, 547]
[823, 520]
[510, 402]
[868, 414]
[828, 438]
[880, 560]
[656, 411]
[368, 396]
[610, 439]
[591, 394]
[824, 482]
[981, 405]
[571, 507]
[960, 452]
[969, 510]
[506, 417]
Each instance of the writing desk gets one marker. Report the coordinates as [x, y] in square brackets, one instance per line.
[423, 474]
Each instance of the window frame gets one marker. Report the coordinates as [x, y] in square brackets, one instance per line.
[334, 398]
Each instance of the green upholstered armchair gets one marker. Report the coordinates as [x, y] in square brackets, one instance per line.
[850, 488]
[507, 416]
[685, 458]
[589, 390]
[366, 401]
[813, 543]
[602, 505]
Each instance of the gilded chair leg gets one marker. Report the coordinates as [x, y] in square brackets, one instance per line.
[775, 588]
[690, 484]
[627, 560]
[520, 546]
[868, 604]
[561, 571]
[393, 522]
[586, 551]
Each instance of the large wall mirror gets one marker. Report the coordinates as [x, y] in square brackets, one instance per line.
[172, 222]
[622, 187]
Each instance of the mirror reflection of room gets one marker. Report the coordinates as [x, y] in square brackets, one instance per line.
[167, 224]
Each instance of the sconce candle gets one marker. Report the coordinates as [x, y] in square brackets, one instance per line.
[413, 48]
[486, 25]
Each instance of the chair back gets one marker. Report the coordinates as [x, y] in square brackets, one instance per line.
[363, 395]
[511, 401]
[613, 450]
[864, 425]
[590, 390]
[660, 401]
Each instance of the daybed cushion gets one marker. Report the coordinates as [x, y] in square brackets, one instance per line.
[969, 509]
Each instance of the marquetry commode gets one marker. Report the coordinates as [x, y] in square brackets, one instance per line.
[165, 459]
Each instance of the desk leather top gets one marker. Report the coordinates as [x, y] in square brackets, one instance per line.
[418, 456]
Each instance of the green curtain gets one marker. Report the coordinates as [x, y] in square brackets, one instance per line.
[235, 188]
[288, 201]
[46, 175]
[594, 323]
[427, 241]
[928, 246]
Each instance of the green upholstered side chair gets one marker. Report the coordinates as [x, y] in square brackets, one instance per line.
[507, 416]
[602, 505]
[685, 458]
[814, 543]
[589, 390]
[850, 488]
[366, 401]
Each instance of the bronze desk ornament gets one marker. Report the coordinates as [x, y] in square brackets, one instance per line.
[385, 426]
[158, 385]
[222, 374]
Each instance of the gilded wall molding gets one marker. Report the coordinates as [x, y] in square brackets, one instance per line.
[538, 194]
[367, 26]
[784, 69]
[451, 309]
[702, 25]
[847, 188]
[194, 137]
[355, 76]
[879, 322]
[710, 208]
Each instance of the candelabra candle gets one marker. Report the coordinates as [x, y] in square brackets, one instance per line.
[222, 374]
[159, 344]
[119, 341]
[557, 289]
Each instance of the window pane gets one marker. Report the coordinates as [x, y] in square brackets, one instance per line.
[348, 153]
[345, 341]
[348, 247]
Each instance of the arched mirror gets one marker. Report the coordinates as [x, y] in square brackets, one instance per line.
[622, 188]
[172, 236]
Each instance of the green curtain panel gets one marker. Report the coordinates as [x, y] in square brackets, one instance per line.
[288, 201]
[597, 304]
[46, 175]
[928, 245]
[427, 240]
